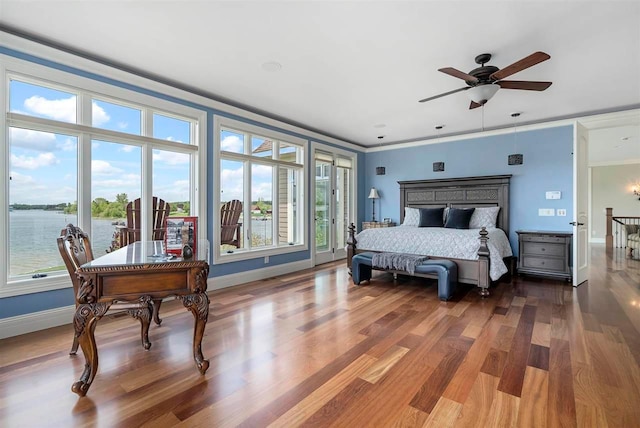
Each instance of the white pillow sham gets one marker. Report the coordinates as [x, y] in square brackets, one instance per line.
[484, 217]
[411, 217]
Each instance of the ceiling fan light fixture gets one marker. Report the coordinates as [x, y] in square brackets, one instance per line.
[482, 93]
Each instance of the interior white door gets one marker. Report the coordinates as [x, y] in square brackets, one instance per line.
[580, 205]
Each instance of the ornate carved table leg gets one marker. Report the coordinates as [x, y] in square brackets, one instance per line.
[144, 315]
[74, 346]
[198, 304]
[156, 311]
[85, 321]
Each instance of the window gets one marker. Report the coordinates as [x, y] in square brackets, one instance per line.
[69, 167]
[263, 170]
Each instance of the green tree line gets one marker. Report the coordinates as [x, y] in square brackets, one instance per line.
[103, 208]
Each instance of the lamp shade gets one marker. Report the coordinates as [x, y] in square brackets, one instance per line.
[482, 93]
[374, 193]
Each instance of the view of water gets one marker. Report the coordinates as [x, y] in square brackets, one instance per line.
[38, 229]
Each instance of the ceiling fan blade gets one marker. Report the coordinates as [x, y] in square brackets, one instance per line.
[524, 85]
[531, 60]
[445, 94]
[459, 74]
[475, 105]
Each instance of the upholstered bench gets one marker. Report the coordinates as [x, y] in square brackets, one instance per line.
[446, 269]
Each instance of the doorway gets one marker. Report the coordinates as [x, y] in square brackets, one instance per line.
[334, 202]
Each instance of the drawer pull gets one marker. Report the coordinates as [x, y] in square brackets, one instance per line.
[542, 263]
[543, 249]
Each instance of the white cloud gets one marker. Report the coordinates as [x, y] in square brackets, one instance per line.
[176, 191]
[20, 179]
[98, 115]
[127, 149]
[170, 158]
[261, 172]
[34, 140]
[63, 110]
[101, 167]
[262, 191]
[123, 125]
[68, 145]
[29, 162]
[232, 144]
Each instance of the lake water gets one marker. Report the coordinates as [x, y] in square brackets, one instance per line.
[33, 234]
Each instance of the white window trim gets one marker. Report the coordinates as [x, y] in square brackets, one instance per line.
[221, 122]
[38, 74]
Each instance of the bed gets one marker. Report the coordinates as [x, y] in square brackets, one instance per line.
[483, 255]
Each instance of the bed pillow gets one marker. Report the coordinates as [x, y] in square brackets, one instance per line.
[431, 217]
[411, 217]
[484, 217]
[458, 218]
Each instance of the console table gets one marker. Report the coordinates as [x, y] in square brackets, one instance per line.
[137, 273]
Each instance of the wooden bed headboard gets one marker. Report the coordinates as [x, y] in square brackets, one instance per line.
[465, 192]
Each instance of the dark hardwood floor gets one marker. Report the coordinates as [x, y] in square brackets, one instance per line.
[311, 349]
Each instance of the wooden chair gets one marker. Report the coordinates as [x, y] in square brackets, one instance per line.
[229, 226]
[75, 248]
[132, 232]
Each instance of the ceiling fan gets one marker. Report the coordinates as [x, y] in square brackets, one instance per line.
[485, 80]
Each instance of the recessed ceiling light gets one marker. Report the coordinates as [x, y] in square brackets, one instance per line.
[380, 125]
[272, 66]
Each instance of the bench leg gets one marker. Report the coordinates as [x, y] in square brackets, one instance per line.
[360, 272]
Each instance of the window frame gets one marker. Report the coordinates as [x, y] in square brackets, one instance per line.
[85, 90]
[223, 122]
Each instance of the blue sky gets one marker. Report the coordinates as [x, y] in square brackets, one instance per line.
[44, 165]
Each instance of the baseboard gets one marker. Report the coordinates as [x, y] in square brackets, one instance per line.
[220, 282]
[28, 323]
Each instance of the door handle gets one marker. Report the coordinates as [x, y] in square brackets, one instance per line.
[573, 223]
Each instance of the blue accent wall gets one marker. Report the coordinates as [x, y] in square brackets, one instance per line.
[25, 304]
[548, 165]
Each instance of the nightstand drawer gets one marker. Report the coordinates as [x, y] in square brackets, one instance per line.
[544, 263]
[538, 238]
[543, 249]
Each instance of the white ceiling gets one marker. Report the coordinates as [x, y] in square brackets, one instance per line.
[350, 67]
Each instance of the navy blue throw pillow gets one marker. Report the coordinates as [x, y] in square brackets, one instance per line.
[431, 217]
[458, 218]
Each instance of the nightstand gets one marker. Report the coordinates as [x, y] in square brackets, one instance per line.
[376, 224]
[545, 253]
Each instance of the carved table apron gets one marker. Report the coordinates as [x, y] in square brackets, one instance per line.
[137, 274]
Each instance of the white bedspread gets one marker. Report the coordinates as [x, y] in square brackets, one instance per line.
[440, 242]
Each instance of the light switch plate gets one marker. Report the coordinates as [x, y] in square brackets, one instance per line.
[554, 194]
[546, 212]
[561, 212]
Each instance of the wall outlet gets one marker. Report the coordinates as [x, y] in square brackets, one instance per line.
[546, 212]
[561, 212]
[266, 259]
